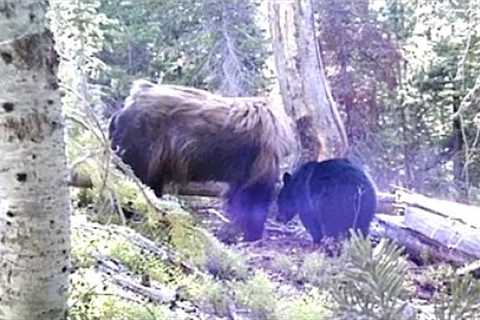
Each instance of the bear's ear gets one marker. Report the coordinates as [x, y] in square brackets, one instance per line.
[287, 177]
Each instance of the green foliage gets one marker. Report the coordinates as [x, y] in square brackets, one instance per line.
[112, 192]
[371, 283]
[143, 264]
[356, 43]
[223, 262]
[88, 244]
[82, 249]
[79, 30]
[257, 295]
[318, 270]
[85, 287]
[203, 249]
[309, 306]
[399, 70]
[184, 236]
[116, 308]
[431, 152]
[217, 45]
[94, 297]
[284, 265]
[212, 295]
[261, 298]
[458, 297]
[212, 44]
[113, 308]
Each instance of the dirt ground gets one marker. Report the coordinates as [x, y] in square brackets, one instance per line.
[293, 241]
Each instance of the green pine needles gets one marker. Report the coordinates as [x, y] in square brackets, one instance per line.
[370, 285]
[458, 298]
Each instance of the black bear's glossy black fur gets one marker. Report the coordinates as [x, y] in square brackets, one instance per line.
[330, 196]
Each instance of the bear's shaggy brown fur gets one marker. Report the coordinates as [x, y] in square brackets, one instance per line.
[170, 133]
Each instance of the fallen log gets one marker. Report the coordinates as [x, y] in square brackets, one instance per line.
[386, 203]
[82, 180]
[203, 189]
[431, 229]
[463, 213]
[418, 247]
[110, 277]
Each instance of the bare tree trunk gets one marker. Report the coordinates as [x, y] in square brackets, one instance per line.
[459, 148]
[34, 197]
[305, 92]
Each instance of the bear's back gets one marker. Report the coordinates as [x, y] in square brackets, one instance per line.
[333, 196]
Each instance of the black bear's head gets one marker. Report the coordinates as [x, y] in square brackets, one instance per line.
[286, 202]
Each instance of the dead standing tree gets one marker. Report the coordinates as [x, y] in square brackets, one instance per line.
[422, 227]
[303, 85]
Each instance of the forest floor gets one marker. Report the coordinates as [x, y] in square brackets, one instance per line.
[290, 240]
[293, 243]
[283, 276]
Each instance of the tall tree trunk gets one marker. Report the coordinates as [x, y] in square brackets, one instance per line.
[34, 197]
[458, 147]
[305, 92]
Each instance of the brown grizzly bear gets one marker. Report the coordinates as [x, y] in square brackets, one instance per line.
[178, 134]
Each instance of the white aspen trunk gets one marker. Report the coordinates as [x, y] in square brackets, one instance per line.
[305, 92]
[34, 197]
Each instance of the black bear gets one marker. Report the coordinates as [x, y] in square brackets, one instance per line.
[169, 133]
[331, 197]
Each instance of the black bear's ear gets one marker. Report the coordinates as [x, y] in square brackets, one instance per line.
[287, 177]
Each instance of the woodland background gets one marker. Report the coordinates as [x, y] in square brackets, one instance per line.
[406, 79]
[405, 76]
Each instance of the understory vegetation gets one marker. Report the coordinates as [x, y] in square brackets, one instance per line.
[121, 274]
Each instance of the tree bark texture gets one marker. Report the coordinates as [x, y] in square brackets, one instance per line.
[34, 196]
[305, 91]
